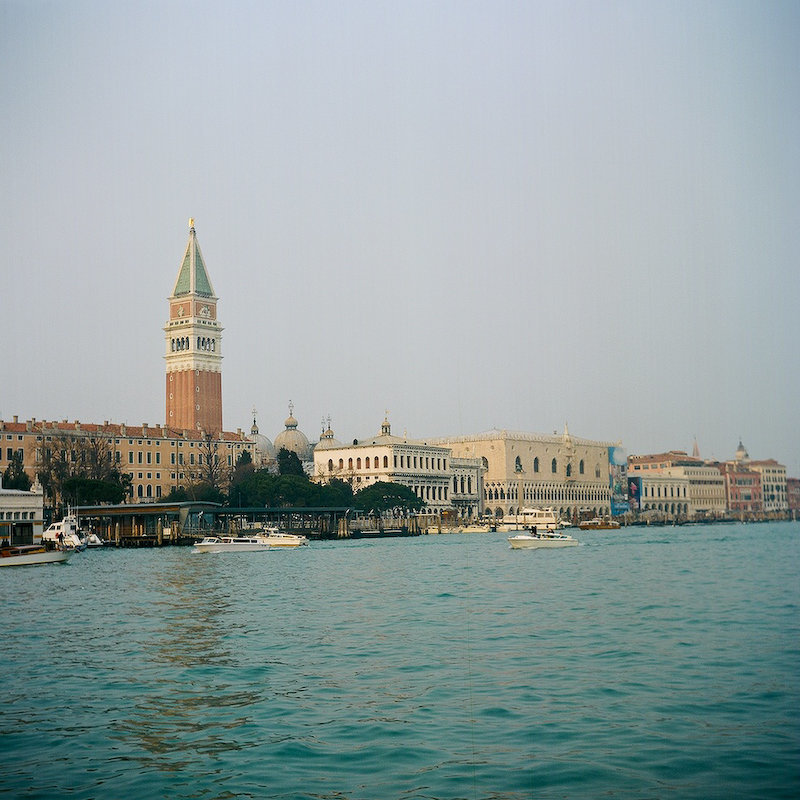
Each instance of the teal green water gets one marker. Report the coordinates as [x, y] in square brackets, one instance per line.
[647, 663]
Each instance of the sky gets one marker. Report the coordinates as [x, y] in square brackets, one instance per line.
[472, 215]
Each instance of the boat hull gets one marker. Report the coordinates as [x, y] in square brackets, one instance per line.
[533, 542]
[17, 557]
[232, 545]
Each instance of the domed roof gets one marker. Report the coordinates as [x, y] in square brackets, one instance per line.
[264, 450]
[327, 440]
[293, 439]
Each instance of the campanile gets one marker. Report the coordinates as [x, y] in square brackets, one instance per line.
[194, 347]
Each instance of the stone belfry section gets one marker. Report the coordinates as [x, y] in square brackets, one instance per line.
[194, 347]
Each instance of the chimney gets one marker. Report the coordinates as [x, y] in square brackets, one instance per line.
[16, 419]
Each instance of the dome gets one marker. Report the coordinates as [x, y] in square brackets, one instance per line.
[327, 440]
[293, 439]
[264, 450]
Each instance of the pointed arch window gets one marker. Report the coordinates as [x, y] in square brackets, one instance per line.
[554, 467]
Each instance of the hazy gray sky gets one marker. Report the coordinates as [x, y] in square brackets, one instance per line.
[472, 214]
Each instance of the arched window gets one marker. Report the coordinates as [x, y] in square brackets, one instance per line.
[554, 467]
[462, 484]
[358, 463]
[536, 464]
[330, 465]
[597, 470]
[569, 470]
[349, 463]
[517, 464]
[485, 462]
[341, 463]
[367, 462]
[580, 467]
[386, 462]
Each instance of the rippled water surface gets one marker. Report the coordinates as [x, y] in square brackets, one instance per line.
[647, 663]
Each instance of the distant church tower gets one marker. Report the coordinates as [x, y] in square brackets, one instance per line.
[194, 352]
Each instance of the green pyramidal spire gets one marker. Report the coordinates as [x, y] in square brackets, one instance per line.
[192, 277]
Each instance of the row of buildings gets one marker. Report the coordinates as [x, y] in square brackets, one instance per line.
[492, 473]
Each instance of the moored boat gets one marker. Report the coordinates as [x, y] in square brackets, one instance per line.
[276, 537]
[598, 524]
[547, 538]
[31, 555]
[65, 534]
[528, 518]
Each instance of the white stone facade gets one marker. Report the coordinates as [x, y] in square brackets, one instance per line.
[423, 467]
[535, 470]
[21, 515]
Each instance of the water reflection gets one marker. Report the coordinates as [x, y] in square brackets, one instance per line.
[197, 697]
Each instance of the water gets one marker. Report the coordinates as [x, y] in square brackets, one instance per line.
[647, 663]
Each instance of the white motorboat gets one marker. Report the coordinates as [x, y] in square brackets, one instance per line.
[232, 544]
[32, 555]
[527, 518]
[276, 537]
[65, 534]
[546, 538]
[93, 540]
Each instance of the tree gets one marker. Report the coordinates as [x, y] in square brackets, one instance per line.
[289, 463]
[78, 455]
[386, 495]
[210, 470]
[15, 476]
[87, 491]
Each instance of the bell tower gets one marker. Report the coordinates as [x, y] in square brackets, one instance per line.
[194, 347]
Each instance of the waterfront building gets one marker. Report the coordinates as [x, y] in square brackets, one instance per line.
[157, 459]
[527, 469]
[706, 486]
[663, 496]
[422, 466]
[773, 485]
[793, 496]
[21, 515]
[193, 348]
[743, 489]
[467, 487]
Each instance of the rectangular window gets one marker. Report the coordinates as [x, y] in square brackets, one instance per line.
[130, 456]
[158, 458]
[149, 457]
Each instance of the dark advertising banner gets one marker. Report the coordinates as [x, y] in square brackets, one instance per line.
[635, 493]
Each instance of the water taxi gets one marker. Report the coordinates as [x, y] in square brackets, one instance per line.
[527, 518]
[546, 538]
[32, 555]
[232, 544]
[598, 524]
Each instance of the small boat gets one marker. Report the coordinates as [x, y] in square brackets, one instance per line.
[598, 524]
[279, 538]
[32, 555]
[546, 538]
[232, 544]
[477, 528]
[528, 518]
[276, 537]
[65, 534]
[93, 540]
